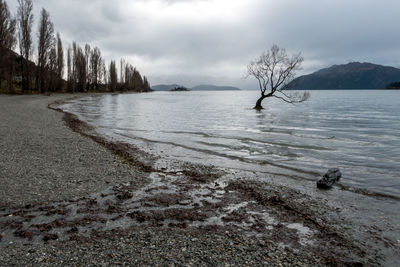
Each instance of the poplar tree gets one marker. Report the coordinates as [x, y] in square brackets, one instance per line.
[45, 46]
[7, 42]
[113, 76]
[25, 22]
[60, 62]
[95, 68]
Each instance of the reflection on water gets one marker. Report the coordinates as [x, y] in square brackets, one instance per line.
[357, 131]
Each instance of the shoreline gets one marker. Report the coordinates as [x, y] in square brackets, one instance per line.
[46, 157]
[296, 217]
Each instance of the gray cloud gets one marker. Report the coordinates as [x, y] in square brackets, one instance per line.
[202, 41]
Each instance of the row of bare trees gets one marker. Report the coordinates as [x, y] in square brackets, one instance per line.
[131, 78]
[86, 69]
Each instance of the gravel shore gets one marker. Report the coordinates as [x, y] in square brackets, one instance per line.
[71, 198]
[156, 247]
[42, 160]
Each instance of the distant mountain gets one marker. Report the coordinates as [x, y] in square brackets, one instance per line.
[353, 75]
[209, 87]
[203, 87]
[165, 87]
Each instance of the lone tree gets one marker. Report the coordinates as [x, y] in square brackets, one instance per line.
[273, 70]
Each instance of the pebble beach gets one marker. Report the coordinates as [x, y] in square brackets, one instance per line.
[68, 197]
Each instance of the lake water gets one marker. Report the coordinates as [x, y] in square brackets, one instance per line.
[357, 131]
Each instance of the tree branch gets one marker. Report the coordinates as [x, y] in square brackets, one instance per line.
[287, 101]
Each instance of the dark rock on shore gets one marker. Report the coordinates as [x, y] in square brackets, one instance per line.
[329, 179]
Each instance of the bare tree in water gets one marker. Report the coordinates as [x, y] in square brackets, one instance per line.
[273, 70]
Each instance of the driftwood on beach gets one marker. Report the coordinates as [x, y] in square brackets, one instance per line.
[329, 179]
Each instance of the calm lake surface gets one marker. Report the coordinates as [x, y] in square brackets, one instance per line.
[357, 131]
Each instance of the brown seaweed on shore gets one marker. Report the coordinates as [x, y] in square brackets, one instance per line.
[23, 234]
[286, 209]
[125, 151]
[49, 237]
[282, 204]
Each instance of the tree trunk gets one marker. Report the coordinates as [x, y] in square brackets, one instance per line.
[10, 75]
[258, 105]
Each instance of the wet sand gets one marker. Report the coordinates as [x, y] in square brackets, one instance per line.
[73, 189]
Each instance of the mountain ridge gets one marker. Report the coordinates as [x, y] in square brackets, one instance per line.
[354, 75]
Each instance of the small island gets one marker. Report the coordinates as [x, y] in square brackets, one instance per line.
[395, 85]
[179, 89]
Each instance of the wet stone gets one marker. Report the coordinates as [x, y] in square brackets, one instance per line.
[329, 179]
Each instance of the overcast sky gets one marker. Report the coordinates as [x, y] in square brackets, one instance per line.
[194, 42]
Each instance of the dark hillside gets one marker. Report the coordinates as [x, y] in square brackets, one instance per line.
[354, 75]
